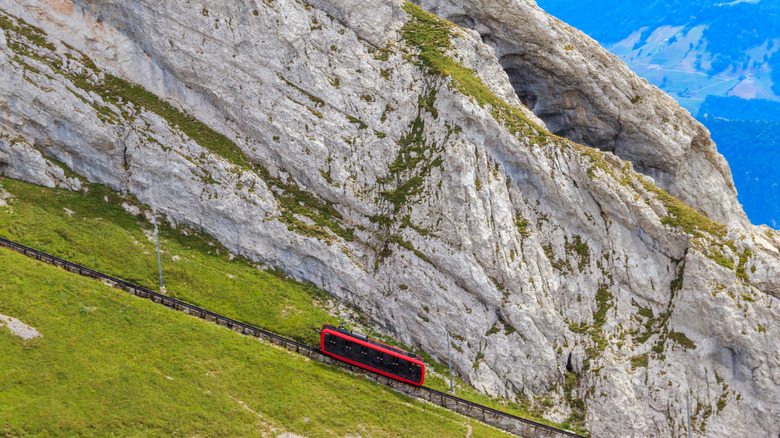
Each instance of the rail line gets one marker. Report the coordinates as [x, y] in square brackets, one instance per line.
[501, 420]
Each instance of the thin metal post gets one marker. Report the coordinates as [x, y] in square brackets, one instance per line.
[449, 360]
[688, 407]
[159, 264]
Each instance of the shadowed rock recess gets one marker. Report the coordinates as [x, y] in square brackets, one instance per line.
[382, 154]
[588, 95]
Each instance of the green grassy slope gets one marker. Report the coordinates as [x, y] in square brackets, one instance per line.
[101, 235]
[85, 229]
[110, 363]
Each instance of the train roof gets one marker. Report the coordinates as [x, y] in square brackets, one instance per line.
[365, 338]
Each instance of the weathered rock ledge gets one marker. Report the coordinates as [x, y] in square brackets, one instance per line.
[429, 201]
[588, 95]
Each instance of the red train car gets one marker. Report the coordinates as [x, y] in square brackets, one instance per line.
[367, 353]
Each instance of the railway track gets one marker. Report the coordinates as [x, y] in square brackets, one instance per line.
[502, 420]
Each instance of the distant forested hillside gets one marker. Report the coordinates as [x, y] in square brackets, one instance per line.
[747, 133]
[720, 60]
[734, 108]
[726, 43]
[734, 25]
[752, 148]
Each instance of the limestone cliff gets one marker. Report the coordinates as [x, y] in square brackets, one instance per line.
[588, 95]
[382, 154]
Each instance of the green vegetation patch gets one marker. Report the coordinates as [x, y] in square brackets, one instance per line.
[604, 302]
[743, 259]
[196, 268]
[522, 227]
[431, 35]
[659, 324]
[722, 401]
[681, 215]
[577, 246]
[408, 245]
[34, 34]
[407, 174]
[558, 264]
[295, 201]
[110, 362]
[719, 258]
[652, 325]
[493, 330]
[682, 340]
[119, 92]
[715, 251]
[115, 90]
[597, 160]
[647, 312]
[380, 53]
[414, 150]
[103, 236]
[639, 361]
[360, 123]
[576, 420]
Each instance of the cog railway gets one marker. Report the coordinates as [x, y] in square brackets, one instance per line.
[374, 356]
[394, 367]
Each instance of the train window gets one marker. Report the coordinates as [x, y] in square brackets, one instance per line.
[414, 372]
[370, 356]
[404, 371]
[348, 353]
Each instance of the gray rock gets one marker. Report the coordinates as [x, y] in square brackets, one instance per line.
[588, 95]
[19, 328]
[555, 266]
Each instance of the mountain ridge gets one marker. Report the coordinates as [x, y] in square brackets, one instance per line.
[588, 95]
[400, 183]
[718, 60]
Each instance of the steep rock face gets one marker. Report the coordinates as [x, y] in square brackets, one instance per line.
[588, 95]
[428, 201]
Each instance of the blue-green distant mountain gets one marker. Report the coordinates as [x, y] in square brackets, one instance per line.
[720, 60]
[691, 49]
[752, 148]
[734, 108]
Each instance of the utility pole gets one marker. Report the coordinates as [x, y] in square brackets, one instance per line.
[449, 360]
[159, 264]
